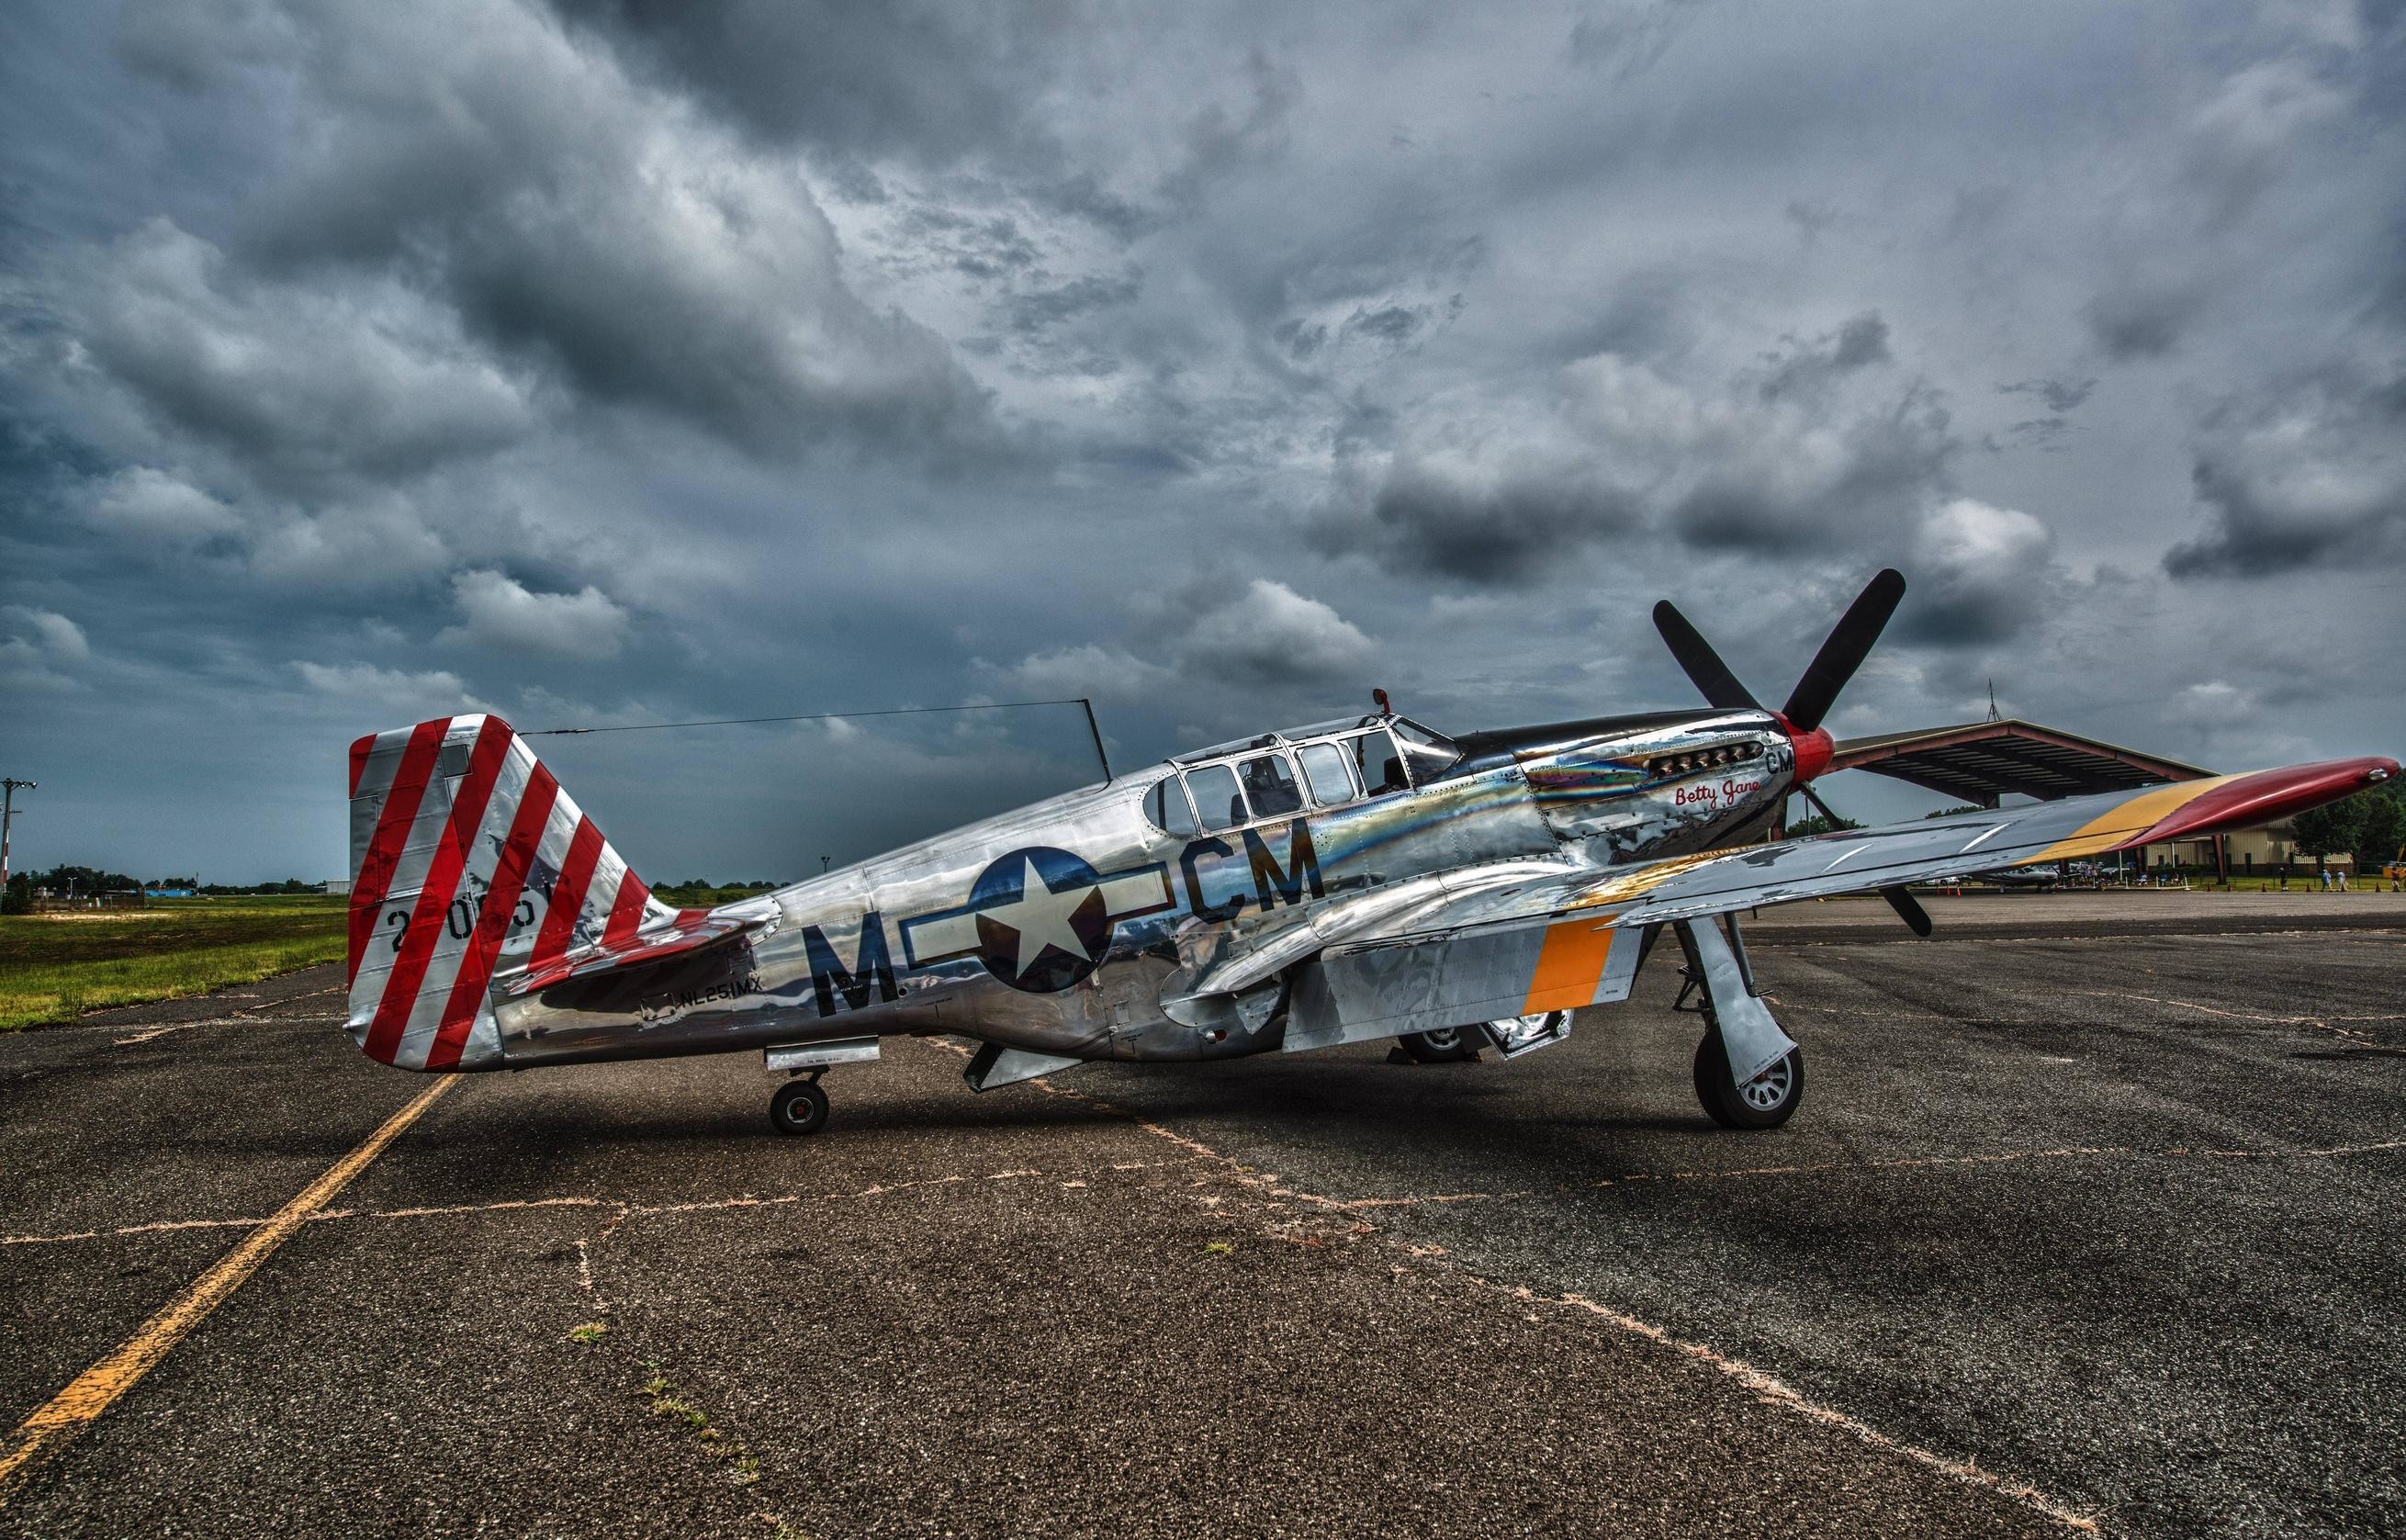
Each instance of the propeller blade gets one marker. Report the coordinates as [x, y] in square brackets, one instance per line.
[1824, 808]
[1849, 642]
[1908, 909]
[1720, 687]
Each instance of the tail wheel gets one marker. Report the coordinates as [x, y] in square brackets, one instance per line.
[800, 1107]
[1444, 1045]
[1766, 1101]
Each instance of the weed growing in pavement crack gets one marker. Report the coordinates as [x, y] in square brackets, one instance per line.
[1218, 1248]
[661, 1393]
[590, 1332]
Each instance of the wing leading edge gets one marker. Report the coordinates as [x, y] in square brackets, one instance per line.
[1559, 939]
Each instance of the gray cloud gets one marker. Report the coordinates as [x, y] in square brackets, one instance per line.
[1981, 575]
[2060, 395]
[1457, 522]
[2140, 319]
[609, 359]
[931, 83]
[2312, 473]
[497, 611]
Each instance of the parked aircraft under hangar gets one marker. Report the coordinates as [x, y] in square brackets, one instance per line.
[1358, 879]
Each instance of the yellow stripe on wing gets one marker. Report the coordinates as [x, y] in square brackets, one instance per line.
[1645, 879]
[2115, 825]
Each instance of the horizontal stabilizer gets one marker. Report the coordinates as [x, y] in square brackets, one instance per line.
[684, 937]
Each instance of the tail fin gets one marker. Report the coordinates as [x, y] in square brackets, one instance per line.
[467, 859]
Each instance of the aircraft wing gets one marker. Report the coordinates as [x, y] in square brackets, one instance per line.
[1534, 937]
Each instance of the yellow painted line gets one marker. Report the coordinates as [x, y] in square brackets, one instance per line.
[93, 1392]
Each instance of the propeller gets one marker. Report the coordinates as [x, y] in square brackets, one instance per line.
[1908, 909]
[1842, 652]
[1703, 665]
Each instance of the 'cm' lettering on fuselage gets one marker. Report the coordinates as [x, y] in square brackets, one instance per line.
[1274, 882]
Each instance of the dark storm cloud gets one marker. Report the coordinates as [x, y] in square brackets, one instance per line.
[2313, 473]
[578, 225]
[2141, 320]
[1041, 309]
[1809, 367]
[1980, 576]
[1831, 482]
[1484, 533]
[931, 82]
[616, 359]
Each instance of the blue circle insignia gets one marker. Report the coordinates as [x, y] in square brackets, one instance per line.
[1043, 922]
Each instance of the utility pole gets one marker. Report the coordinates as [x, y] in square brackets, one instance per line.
[7, 813]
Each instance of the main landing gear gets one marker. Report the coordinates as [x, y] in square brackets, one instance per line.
[1511, 1036]
[800, 1107]
[1740, 1037]
[1446, 1045]
[1766, 1101]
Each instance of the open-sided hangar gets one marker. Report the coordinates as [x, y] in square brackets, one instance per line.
[1982, 762]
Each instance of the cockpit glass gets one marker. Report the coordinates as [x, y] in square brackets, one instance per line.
[1429, 755]
[1217, 802]
[1324, 767]
[1166, 805]
[1270, 785]
[1382, 767]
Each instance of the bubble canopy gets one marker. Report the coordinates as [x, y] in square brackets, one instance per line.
[1288, 737]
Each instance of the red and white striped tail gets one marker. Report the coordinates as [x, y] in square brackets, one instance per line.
[468, 860]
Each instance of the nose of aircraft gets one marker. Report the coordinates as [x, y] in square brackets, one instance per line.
[1814, 748]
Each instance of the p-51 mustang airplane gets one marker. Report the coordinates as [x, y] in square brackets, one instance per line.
[1349, 880]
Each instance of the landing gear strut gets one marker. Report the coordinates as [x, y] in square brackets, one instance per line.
[800, 1107]
[1737, 1026]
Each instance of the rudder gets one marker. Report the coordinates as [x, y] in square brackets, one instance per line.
[467, 861]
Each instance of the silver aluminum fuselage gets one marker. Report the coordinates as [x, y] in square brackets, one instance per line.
[858, 952]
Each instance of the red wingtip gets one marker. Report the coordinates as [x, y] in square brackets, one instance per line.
[2269, 796]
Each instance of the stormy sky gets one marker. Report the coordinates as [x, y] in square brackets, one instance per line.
[625, 360]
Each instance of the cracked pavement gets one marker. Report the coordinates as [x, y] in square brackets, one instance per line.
[2075, 1227]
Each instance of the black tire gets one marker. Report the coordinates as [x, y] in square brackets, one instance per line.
[1446, 1045]
[800, 1107]
[1754, 1107]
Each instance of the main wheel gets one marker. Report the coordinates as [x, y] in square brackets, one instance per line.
[1765, 1101]
[1445, 1045]
[800, 1107]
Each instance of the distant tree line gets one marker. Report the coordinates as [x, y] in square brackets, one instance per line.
[696, 891]
[2369, 825]
[64, 879]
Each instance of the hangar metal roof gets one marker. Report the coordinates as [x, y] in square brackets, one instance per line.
[1981, 761]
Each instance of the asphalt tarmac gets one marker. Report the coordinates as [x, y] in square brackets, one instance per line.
[2076, 1227]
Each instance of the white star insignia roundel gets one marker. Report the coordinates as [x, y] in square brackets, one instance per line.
[1038, 919]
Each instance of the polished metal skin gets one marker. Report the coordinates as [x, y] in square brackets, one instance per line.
[1571, 797]
[1349, 880]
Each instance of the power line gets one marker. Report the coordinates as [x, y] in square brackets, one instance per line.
[805, 716]
[1082, 703]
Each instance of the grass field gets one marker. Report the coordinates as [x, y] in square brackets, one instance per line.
[55, 966]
